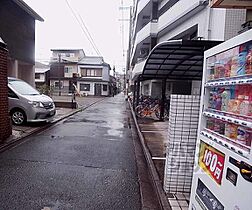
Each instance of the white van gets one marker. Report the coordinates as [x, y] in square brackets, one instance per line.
[26, 104]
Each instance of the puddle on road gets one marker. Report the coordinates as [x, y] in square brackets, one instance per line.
[116, 125]
[57, 206]
[113, 140]
[114, 132]
[72, 120]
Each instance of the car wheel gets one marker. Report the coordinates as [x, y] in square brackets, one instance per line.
[18, 117]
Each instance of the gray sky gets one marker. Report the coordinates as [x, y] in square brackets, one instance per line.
[61, 29]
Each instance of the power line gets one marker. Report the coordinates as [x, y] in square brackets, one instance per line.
[87, 34]
[122, 25]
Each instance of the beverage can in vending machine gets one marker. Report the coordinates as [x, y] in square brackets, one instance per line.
[248, 66]
[234, 66]
[244, 135]
[242, 61]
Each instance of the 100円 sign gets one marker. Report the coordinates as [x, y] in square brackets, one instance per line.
[211, 161]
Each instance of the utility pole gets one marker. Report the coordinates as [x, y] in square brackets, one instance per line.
[59, 71]
[122, 8]
[128, 52]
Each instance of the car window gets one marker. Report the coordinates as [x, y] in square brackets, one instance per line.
[11, 94]
[23, 88]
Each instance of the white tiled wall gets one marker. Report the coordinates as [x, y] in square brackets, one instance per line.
[182, 135]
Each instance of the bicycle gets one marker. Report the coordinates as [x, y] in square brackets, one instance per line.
[149, 106]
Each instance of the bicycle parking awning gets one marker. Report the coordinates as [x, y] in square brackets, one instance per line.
[174, 60]
[177, 59]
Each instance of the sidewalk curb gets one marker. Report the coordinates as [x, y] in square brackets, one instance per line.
[164, 203]
[22, 138]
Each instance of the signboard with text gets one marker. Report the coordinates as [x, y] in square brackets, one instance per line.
[245, 4]
[211, 161]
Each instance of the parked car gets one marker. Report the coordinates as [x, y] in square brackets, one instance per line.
[26, 104]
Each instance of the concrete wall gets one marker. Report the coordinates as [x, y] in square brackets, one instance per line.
[105, 73]
[21, 70]
[210, 24]
[27, 73]
[5, 125]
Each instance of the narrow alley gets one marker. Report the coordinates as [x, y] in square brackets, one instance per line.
[84, 162]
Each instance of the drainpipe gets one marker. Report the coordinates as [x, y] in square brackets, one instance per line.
[162, 105]
[208, 29]
[134, 95]
[138, 89]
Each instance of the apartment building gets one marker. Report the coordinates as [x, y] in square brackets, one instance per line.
[166, 50]
[154, 22]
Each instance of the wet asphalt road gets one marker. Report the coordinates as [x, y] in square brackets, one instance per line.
[84, 162]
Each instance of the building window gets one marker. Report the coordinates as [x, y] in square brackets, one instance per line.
[37, 76]
[105, 87]
[68, 69]
[84, 87]
[83, 72]
[91, 72]
[56, 84]
[98, 72]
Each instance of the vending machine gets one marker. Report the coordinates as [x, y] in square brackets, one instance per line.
[222, 176]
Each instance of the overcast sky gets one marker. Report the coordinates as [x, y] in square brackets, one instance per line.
[61, 30]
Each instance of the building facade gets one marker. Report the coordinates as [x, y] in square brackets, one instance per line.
[93, 76]
[18, 32]
[64, 69]
[73, 71]
[156, 21]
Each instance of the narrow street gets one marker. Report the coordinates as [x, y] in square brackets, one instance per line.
[84, 162]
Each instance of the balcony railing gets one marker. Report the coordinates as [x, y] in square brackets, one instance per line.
[138, 68]
[141, 5]
[146, 31]
[177, 11]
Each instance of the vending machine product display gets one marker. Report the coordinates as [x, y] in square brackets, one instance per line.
[222, 176]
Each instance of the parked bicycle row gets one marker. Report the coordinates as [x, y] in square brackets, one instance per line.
[151, 107]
